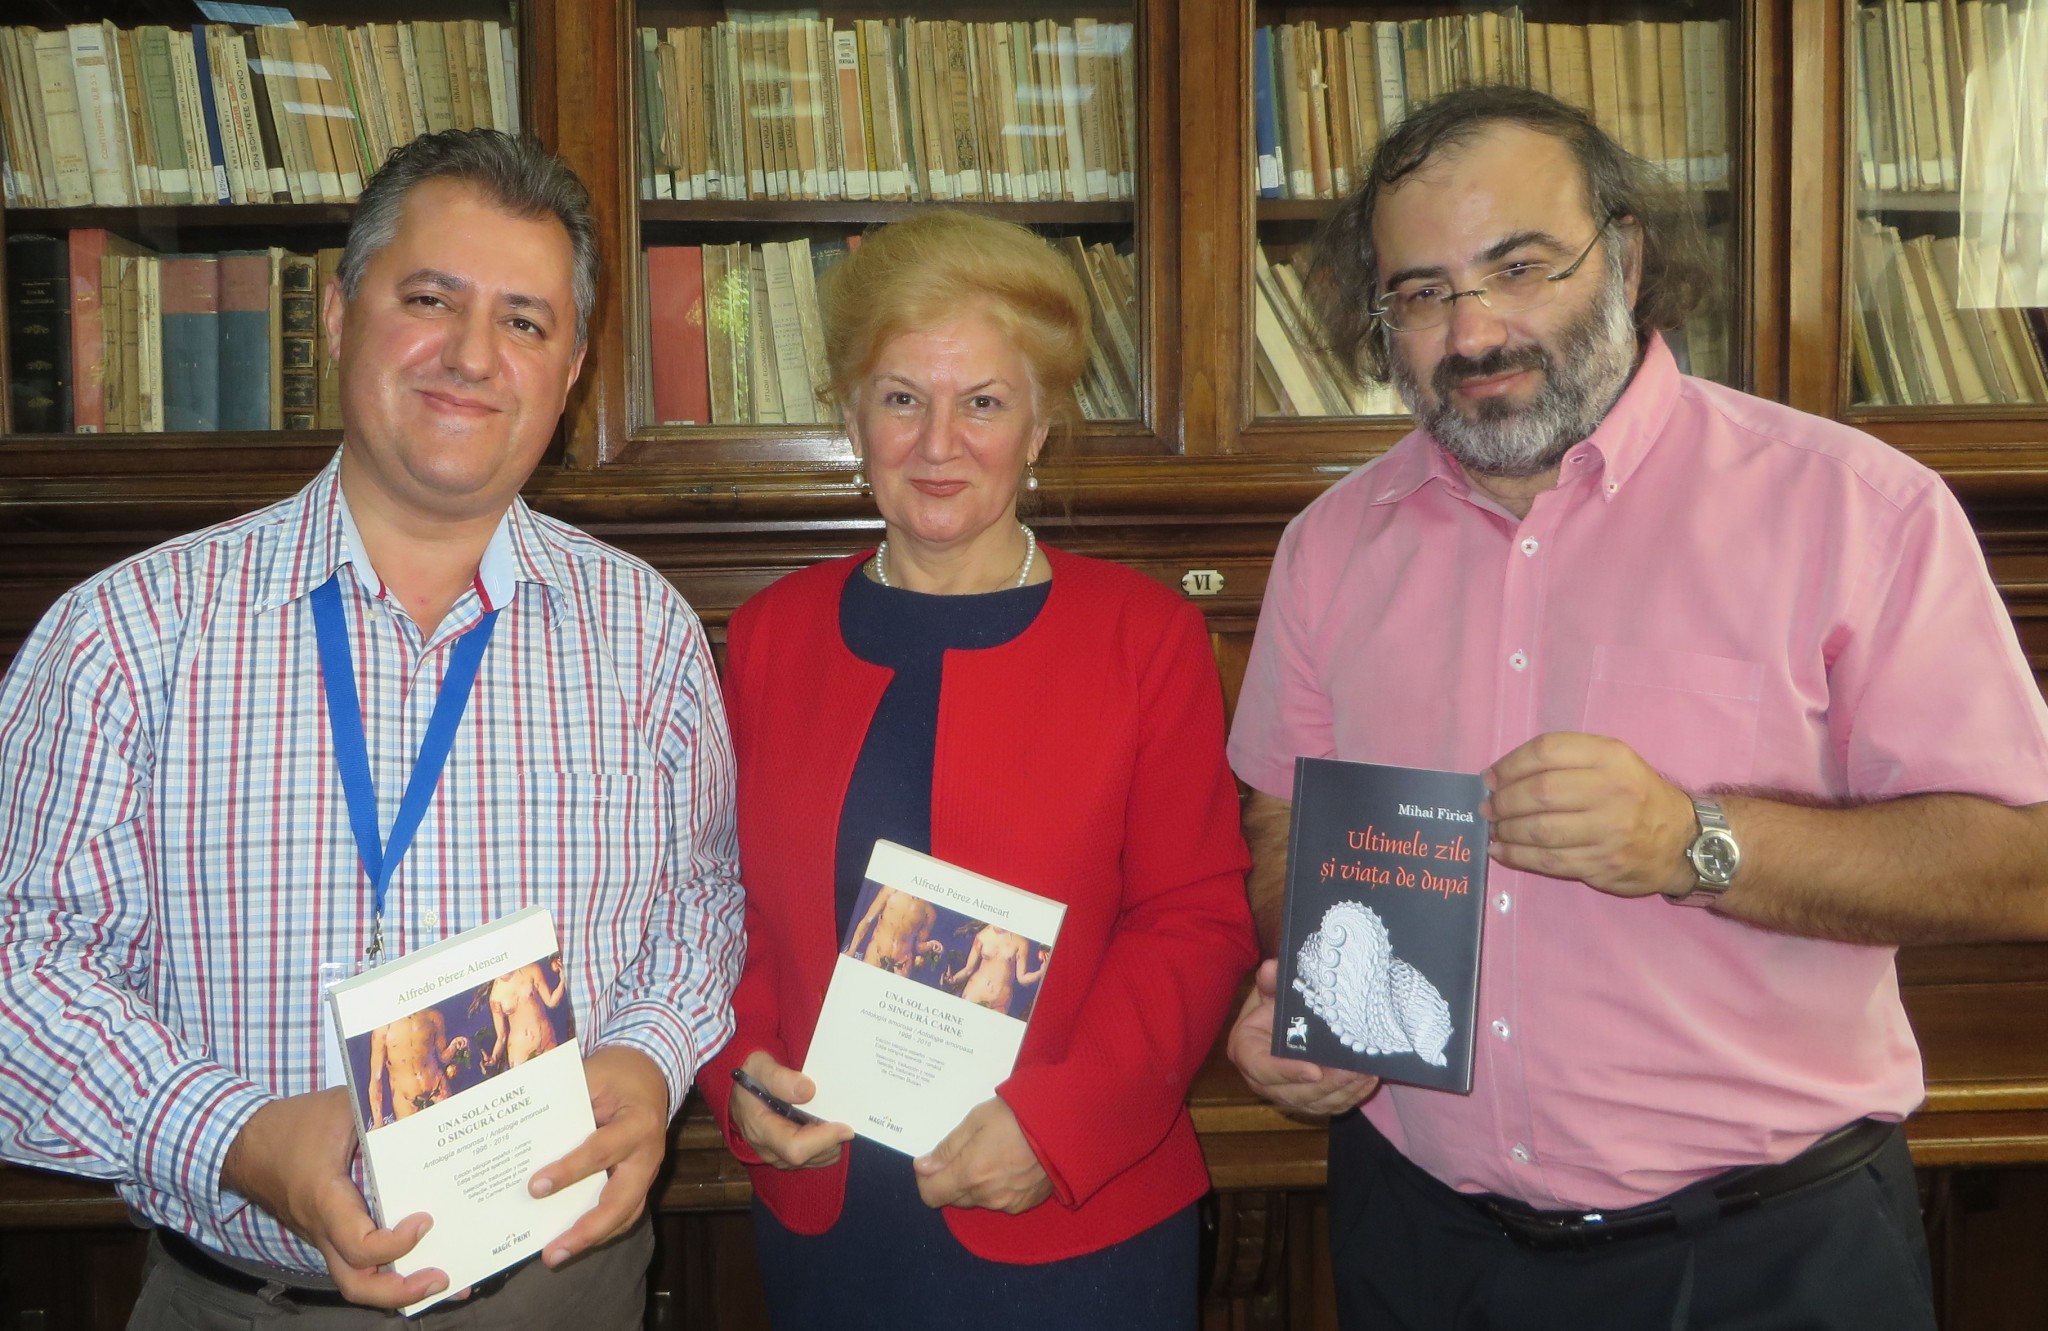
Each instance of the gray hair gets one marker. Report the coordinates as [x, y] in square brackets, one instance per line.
[522, 178]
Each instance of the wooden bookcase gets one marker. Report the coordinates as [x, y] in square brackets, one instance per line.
[1194, 489]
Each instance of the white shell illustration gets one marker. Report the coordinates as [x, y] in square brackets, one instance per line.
[1372, 1001]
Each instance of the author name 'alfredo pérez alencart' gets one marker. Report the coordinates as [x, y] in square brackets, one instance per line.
[466, 1075]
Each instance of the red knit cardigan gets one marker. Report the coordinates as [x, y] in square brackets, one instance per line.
[1083, 760]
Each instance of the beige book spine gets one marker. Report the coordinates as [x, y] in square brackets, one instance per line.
[307, 74]
[1009, 116]
[26, 187]
[209, 181]
[343, 129]
[475, 68]
[399, 58]
[492, 55]
[38, 120]
[233, 155]
[102, 120]
[288, 107]
[141, 151]
[1958, 363]
[374, 102]
[327, 265]
[853, 119]
[270, 181]
[66, 126]
[430, 69]
[961, 119]
[812, 327]
[149, 346]
[1936, 73]
[1671, 100]
[763, 370]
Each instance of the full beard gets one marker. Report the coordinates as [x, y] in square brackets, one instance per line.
[1582, 378]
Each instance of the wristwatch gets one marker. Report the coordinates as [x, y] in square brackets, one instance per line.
[1714, 856]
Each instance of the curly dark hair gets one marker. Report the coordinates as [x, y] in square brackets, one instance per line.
[1343, 280]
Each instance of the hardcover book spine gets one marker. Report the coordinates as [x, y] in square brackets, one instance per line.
[298, 318]
[38, 334]
[245, 368]
[190, 301]
[330, 378]
[198, 71]
[676, 333]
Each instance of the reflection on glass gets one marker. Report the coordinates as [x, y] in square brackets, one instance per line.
[1950, 248]
[1325, 91]
[797, 106]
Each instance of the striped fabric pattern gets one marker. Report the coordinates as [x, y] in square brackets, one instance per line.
[175, 854]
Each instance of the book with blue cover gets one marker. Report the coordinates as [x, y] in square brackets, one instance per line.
[1379, 947]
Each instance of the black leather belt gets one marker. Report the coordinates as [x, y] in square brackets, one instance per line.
[204, 1264]
[1833, 1156]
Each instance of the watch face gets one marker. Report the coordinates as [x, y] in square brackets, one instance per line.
[1715, 857]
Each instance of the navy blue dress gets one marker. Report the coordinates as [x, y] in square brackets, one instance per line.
[889, 1261]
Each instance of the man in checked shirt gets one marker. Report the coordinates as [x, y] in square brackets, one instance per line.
[177, 865]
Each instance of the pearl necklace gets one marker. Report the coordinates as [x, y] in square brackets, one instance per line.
[1030, 556]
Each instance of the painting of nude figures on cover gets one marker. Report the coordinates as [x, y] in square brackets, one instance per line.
[978, 960]
[444, 1048]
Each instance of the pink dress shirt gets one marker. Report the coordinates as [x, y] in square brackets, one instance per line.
[1747, 596]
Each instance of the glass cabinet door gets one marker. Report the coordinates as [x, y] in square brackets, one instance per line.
[176, 195]
[1948, 241]
[1328, 80]
[765, 141]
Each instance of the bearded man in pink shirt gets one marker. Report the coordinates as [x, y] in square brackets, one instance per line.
[1709, 652]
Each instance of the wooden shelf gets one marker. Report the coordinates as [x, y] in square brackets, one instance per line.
[866, 212]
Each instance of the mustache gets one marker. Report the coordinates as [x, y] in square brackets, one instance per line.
[1454, 369]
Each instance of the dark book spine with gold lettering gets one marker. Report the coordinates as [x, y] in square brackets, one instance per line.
[39, 333]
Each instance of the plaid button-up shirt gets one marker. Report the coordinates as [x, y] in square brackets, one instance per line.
[176, 861]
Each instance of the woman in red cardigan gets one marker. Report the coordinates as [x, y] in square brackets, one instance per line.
[1051, 721]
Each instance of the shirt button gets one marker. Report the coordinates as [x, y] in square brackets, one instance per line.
[1501, 902]
[1520, 661]
[1500, 1028]
[1519, 1154]
[1530, 545]
[1612, 486]
[431, 918]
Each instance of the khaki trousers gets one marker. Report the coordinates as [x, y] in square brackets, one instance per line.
[604, 1290]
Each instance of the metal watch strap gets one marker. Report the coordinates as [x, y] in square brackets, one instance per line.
[1713, 826]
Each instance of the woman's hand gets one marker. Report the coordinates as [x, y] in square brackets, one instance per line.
[984, 1162]
[775, 1139]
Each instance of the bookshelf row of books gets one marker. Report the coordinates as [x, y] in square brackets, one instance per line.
[1324, 95]
[1938, 85]
[109, 336]
[1295, 375]
[99, 116]
[733, 335]
[1917, 341]
[793, 106]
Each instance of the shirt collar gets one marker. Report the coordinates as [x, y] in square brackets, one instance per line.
[320, 535]
[1619, 445]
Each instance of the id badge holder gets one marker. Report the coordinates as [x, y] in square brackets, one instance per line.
[333, 1062]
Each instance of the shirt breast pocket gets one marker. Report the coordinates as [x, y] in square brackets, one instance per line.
[1691, 716]
[566, 840]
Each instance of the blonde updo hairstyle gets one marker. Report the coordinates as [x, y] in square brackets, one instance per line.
[917, 273]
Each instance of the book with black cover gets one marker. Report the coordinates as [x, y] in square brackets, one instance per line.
[1379, 946]
[39, 333]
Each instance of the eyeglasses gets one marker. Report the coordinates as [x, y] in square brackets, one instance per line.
[1522, 285]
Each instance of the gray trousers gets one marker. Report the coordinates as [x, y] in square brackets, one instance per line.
[604, 1290]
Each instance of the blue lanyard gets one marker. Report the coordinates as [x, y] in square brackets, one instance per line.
[352, 755]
